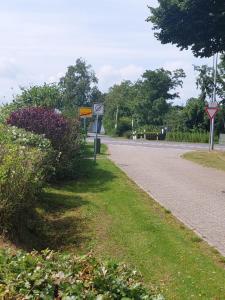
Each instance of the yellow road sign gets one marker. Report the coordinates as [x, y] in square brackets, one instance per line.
[85, 112]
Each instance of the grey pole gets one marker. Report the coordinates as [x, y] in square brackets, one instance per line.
[212, 134]
[212, 122]
[117, 112]
[96, 137]
[85, 126]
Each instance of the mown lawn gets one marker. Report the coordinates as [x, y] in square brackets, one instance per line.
[105, 211]
[215, 159]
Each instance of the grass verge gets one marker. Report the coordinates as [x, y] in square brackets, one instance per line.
[107, 212]
[215, 159]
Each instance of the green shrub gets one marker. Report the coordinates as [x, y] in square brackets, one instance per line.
[52, 275]
[191, 137]
[128, 134]
[63, 133]
[70, 158]
[6, 110]
[12, 134]
[22, 172]
[124, 125]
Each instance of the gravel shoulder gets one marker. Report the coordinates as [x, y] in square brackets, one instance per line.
[193, 193]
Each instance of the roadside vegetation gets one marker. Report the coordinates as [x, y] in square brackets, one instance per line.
[42, 148]
[90, 216]
[107, 213]
[215, 159]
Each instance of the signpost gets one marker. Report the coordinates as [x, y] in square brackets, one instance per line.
[212, 110]
[98, 111]
[84, 113]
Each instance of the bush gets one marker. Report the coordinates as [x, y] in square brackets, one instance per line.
[22, 174]
[63, 133]
[191, 137]
[128, 134]
[70, 156]
[41, 121]
[124, 125]
[52, 275]
[12, 134]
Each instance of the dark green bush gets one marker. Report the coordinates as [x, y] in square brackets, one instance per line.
[52, 275]
[128, 134]
[124, 125]
[22, 172]
[70, 158]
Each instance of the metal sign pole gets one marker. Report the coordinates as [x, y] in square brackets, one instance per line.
[215, 66]
[85, 126]
[96, 137]
[212, 134]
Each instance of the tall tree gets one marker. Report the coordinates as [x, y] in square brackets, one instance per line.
[47, 95]
[78, 84]
[198, 24]
[205, 81]
[119, 102]
[155, 89]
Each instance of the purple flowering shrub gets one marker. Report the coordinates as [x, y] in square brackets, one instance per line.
[63, 133]
[41, 121]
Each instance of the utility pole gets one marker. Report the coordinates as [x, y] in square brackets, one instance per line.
[117, 113]
[213, 102]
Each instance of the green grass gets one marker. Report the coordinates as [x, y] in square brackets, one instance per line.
[105, 211]
[213, 159]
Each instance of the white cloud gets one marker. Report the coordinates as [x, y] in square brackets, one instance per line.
[109, 75]
[55, 78]
[9, 68]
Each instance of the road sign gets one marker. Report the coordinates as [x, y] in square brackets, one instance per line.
[212, 111]
[85, 112]
[98, 109]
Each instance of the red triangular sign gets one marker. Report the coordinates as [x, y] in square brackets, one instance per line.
[211, 111]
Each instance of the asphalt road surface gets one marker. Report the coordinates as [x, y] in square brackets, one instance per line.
[193, 193]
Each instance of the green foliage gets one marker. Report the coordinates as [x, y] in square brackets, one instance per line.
[194, 115]
[205, 81]
[191, 137]
[175, 120]
[70, 156]
[198, 24]
[77, 85]
[6, 110]
[12, 134]
[119, 102]
[47, 95]
[50, 275]
[124, 125]
[146, 101]
[22, 173]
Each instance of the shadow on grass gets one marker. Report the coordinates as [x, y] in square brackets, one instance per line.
[59, 223]
[92, 179]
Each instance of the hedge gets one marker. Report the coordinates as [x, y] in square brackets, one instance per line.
[53, 275]
[22, 173]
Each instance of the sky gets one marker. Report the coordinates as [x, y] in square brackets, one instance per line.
[41, 38]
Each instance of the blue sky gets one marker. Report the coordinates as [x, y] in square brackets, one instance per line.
[40, 38]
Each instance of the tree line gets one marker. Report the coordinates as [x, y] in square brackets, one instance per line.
[146, 103]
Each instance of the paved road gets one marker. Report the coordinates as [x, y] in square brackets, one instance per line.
[194, 194]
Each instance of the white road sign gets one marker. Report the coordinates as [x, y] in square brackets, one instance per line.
[98, 109]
